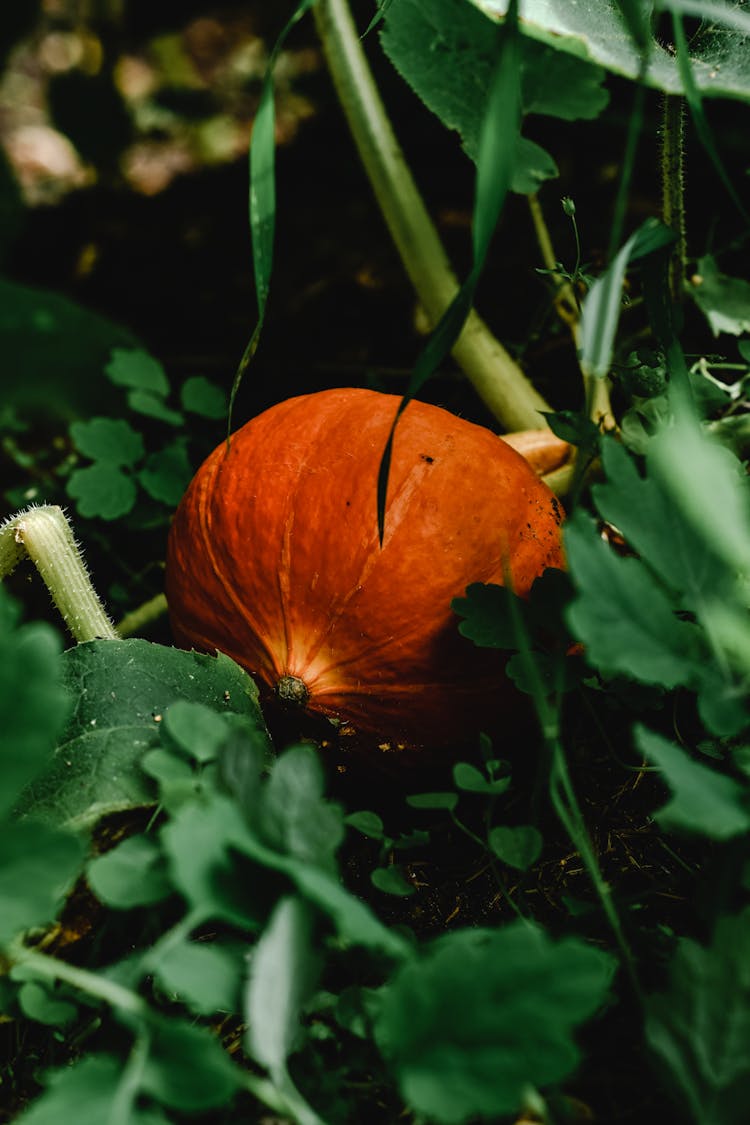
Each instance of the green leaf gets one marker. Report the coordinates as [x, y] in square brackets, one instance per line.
[54, 352]
[205, 976]
[698, 1028]
[37, 867]
[131, 874]
[121, 691]
[102, 490]
[167, 473]
[152, 406]
[110, 441]
[594, 30]
[694, 471]
[483, 1014]
[519, 846]
[625, 620]
[532, 165]
[135, 368]
[199, 395]
[187, 1069]
[725, 301]
[574, 427]
[704, 801]
[295, 818]
[472, 780]
[33, 702]
[353, 920]
[196, 729]
[495, 617]
[446, 52]
[86, 1093]
[284, 969]
[652, 524]
[198, 842]
[40, 1004]
[366, 822]
[391, 881]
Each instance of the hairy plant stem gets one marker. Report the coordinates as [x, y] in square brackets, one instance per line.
[44, 534]
[673, 187]
[494, 374]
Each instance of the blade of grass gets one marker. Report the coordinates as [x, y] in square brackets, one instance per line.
[262, 198]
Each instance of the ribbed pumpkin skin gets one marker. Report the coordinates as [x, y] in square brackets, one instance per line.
[273, 558]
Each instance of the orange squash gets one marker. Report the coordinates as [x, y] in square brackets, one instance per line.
[274, 559]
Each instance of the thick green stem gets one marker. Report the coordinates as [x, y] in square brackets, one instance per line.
[45, 535]
[496, 377]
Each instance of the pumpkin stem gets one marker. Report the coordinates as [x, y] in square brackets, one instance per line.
[291, 690]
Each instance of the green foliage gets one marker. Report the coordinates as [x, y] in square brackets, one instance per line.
[108, 489]
[699, 1025]
[144, 777]
[55, 351]
[481, 1014]
[452, 72]
[595, 31]
[703, 800]
[519, 847]
[725, 301]
[650, 617]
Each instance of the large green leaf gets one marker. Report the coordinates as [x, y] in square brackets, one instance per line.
[54, 351]
[485, 1013]
[699, 1028]
[121, 690]
[452, 70]
[594, 30]
[625, 619]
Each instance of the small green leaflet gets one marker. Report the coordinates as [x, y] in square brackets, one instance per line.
[136, 369]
